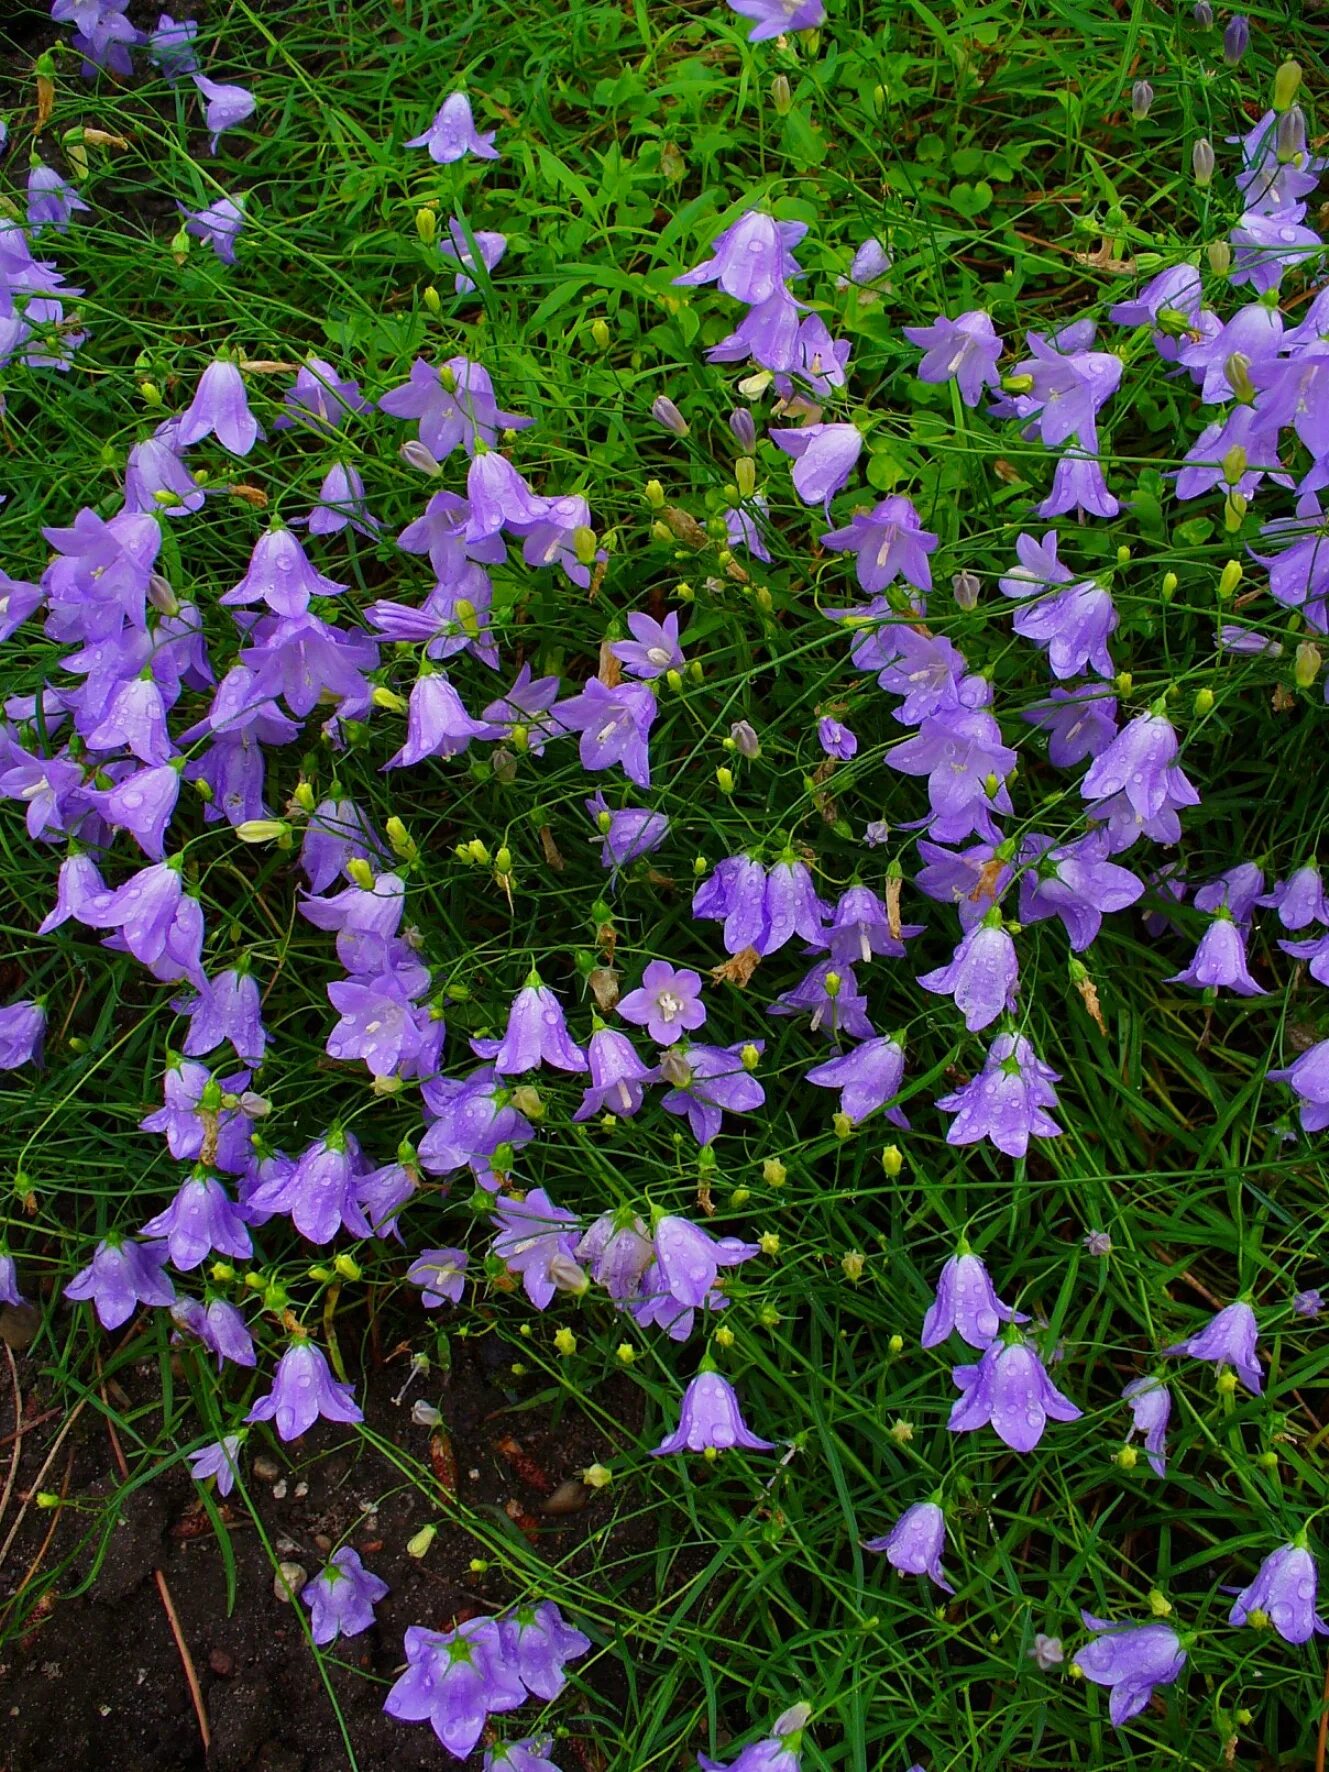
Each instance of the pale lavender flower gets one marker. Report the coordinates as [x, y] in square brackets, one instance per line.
[219, 1460]
[653, 649]
[688, 1259]
[453, 1679]
[710, 1420]
[1284, 1591]
[869, 265]
[860, 929]
[831, 993]
[983, 974]
[227, 106]
[1236, 890]
[618, 1252]
[456, 250]
[768, 333]
[342, 1596]
[1006, 1102]
[1228, 1339]
[615, 727]
[455, 404]
[50, 200]
[752, 260]
[1299, 900]
[1009, 1389]
[22, 1027]
[531, 1239]
[441, 1275]
[967, 1303]
[889, 541]
[1075, 882]
[1046, 1654]
[319, 1191]
[710, 1079]
[219, 224]
[824, 457]
[774, 18]
[219, 1326]
[536, 1034]
[120, 1277]
[835, 739]
[964, 351]
[667, 1003]
[628, 834]
[1219, 962]
[303, 1388]
[867, 1076]
[452, 134]
[471, 1117]
[668, 417]
[9, 1292]
[1304, 1304]
[200, 1219]
[1078, 485]
[219, 407]
[1151, 1405]
[281, 575]
[781, 1751]
[961, 752]
[916, 1543]
[171, 46]
[531, 1754]
[1131, 1660]
[437, 723]
[617, 1076]
[539, 1642]
[1140, 764]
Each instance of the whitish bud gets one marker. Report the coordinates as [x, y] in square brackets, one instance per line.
[1202, 162]
[1307, 666]
[261, 830]
[416, 456]
[781, 97]
[1220, 257]
[1142, 96]
[966, 586]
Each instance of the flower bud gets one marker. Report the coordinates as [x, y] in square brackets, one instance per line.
[1229, 579]
[724, 779]
[1168, 589]
[600, 333]
[892, 1161]
[1202, 162]
[1307, 666]
[1203, 14]
[418, 1544]
[1287, 84]
[403, 844]
[416, 456]
[1237, 370]
[1290, 136]
[161, 596]
[261, 830]
[477, 852]
[1126, 1458]
[966, 586]
[1235, 506]
[895, 1346]
[1142, 97]
[842, 1126]
[852, 1263]
[832, 983]
[152, 394]
[626, 1353]
[432, 299]
[744, 430]
[565, 1342]
[769, 1243]
[503, 860]
[668, 417]
[655, 495]
[750, 1056]
[745, 740]
[1204, 701]
[361, 873]
[426, 225]
[781, 97]
[1226, 1384]
[347, 1267]
[1236, 39]
[674, 679]
[597, 1476]
[583, 544]
[773, 1172]
[745, 475]
[383, 697]
[1159, 1604]
[1219, 254]
[1233, 464]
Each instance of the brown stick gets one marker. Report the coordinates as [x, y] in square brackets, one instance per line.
[1323, 1742]
[17, 1435]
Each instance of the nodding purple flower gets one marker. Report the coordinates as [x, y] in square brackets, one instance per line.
[1236, 39]
[319, 400]
[831, 992]
[342, 1596]
[220, 1460]
[860, 929]
[628, 834]
[667, 1003]
[281, 575]
[1078, 484]
[1131, 1659]
[455, 404]
[9, 1292]
[219, 224]
[381, 1023]
[22, 1028]
[452, 134]
[1008, 1389]
[888, 542]
[1075, 882]
[964, 351]
[1268, 245]
[470, 1118]
[171, 46]
[227, 106]
[1151, 1405]
[536, 1034]
[653, 649]
[337, 832]
[454, 1679]
[916, 1543]
[120, 1277]
[219, 1326]
[1228, 1339]
[441, 1276]
[710, 1421]
[983, 974]
[971, 880]
[1283, 1593]
[51, 200]
[1299, 900]
[962, 754]
[869, 265]
[836, 740]
[615, 727]
[152, 467]
[219, 407]
[775, 18]
[1006, 1101]
[456, 250]
[751, 260]
[768, 333]
[867, 1076]
[824, 457]
[1304, 1304]
[782, 1750]
[759, 910]
[318, 1193]
[1220, 960]
[618, 1076]
[1140, 764]
[303, 1388]
[710, 1079]
[1236, 892]
[531, 1754]
[743, 528]
[200, 1219]
[688, 1260]
[532, 1241]
[967, 1304]
[618, 1252]
[437, 723]
[539, 1642]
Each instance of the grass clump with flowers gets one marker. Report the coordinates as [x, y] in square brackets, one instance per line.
[661, 787]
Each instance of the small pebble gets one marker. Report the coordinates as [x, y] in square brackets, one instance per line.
[323, 1542]
[279, 1490]
[267, 1470]
[301, 1490]
[222, 1664]
[288, 1582]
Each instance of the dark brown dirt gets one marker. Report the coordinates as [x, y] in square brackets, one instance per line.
[90, 1676]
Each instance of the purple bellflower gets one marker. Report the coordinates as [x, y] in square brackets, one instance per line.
[533, 1240]
[628, 834]
[615, 727]
[967, 1304]
[531, 1754]
[1076, 882]
[226, 108]
[1150, 1405]
[219, 224]
[455, 250]
[1131, 1660]
[441, 1276]
[916, 1543]
[303, 1388]
[22, 1026]
[653, 648]
[1220, 960]
[201, 1218]
[1308, 1077]
[219, 408]
[452, 135]
[342, 1596]
[867, 1076]
[539, 1641]
[453, 1680]
[537, 1034]
[9, 1292]
[1010, 1390]
[964, 351]
[1006, 1102]
[281, 575]
[219, 1460]
[1228, 1339]
[455, 404]
[824, 457]
[752, 260]
[983, 975]
[708, 1080]
[618, 1076]
[688, 1260]
[710, 1421]
[775, 18]
[667, 1003]
[120, 1277]
[1283, 1592]
[888, 542]
[50, 200]
[781, 1751]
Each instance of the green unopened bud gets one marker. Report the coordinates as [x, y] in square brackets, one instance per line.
[1202, 162]
[1235, 506]
[750, 1056]
[403, 844]
[1017, 384]
[261, 830]
[584, 544]
[655, 495]
[852, 1263]
[1219, 254]
[1168, 588]
[361, 873]
[418, 1544]
[1229, 579]
[674, 679]
[1287, 84]
[383, 697]
[1204, 701]
[46, 1498]
[1233, 464]
[991, 785]
[447, 376]
[745, 475]
[503, 860]
[152, 394]
[773, 1172]
[426, 225]
[600, 333]
[1126, 1458]
[661, 532]
[841, 1125]
[700, 865]
[724, 779]
[1237, 370]
[477, 852]
[1123, 554]
[892, 1160]
[1159, 1604]
[1307, 665]
[1268, 1460]
[781, 97]
[347, 1267]
[1226, 1384]
[304, 796]
[432, 299]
